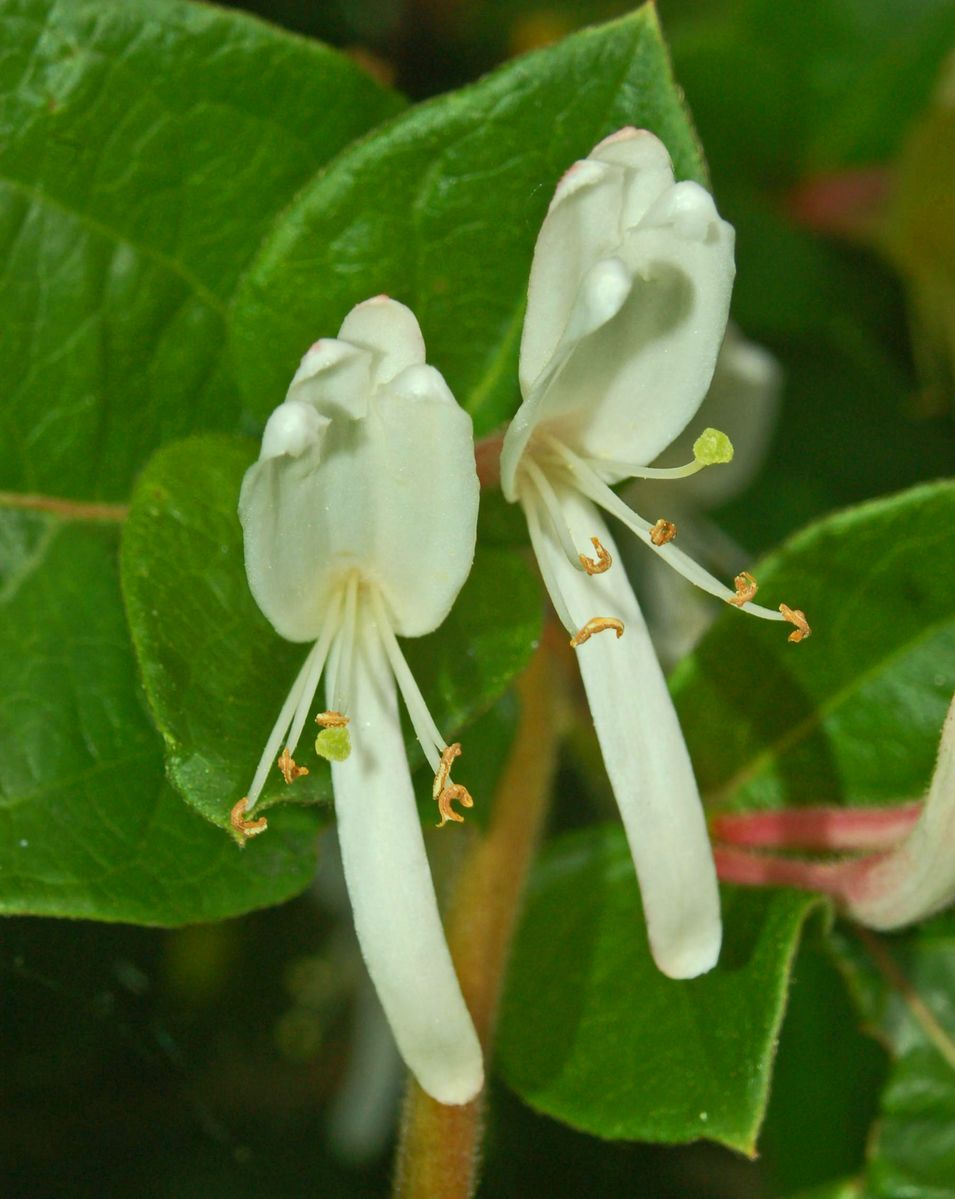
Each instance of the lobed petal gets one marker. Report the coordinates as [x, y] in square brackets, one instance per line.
[392, 896]
[645, 755]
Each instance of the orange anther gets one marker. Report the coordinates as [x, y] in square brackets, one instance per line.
[602, 563]
[244, 827]
[746, 587]
[290, 771]
[794, 616]
[597, 624]
[662, 532]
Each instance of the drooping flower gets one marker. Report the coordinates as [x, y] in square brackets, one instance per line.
[627, 306]
[902, 868]
[349, 542]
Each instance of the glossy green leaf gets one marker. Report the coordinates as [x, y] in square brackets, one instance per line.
[594, 1035]
[88, 825]
[853, 714]
[215, 671]
[441, 209]
[145, 150]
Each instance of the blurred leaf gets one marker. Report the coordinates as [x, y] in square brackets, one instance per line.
[441, 209]
[777, 91]
[88, 825]
[594, 1035]
[145, 150]
[215, 671]
[905, 987]
[921, 241]
[852, 715]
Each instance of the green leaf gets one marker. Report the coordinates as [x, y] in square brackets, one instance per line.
[905, 987]
[215, 671]
[594, 1035]
[145, 150]
[852, 715]
[88, 825]
[441, 209]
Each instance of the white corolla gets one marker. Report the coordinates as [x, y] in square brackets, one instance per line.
[627, 306]
[359, 520]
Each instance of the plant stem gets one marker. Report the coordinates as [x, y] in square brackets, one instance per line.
[439, 1147]
[68, 509]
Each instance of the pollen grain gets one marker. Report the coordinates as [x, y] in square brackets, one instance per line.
[794, 616]
[244, 827]
[332, 720]
[662, 532]
[602, 562]
[455, 791]
[597, 624]
[290, 770]
[746, 588]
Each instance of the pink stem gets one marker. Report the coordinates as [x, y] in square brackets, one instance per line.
[748, 869]
[818, 828]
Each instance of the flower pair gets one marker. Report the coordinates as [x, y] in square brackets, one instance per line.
[360, 518]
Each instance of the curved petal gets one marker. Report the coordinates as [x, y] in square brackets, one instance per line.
[426, 495]
[389, 331]
[627, 390]
[645, 756]
[597, 199]
[917, 879]
[392, 896]
[383, 484]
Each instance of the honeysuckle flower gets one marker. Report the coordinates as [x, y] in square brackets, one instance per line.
[905, 873]
[627, 306]
[348, 544]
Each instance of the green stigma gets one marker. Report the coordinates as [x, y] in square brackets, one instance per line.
[712, 447]
[333, 744]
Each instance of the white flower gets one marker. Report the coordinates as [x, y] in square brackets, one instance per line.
[627, 306]
[359, 520]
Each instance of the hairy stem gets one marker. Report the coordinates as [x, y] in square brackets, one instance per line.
[439, 1148]
[68, 509]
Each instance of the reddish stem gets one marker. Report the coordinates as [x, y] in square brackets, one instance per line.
[839, 879]
[818, 828]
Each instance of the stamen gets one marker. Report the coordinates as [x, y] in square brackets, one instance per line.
[746, 587]
[290, 771]
[794, 616]
[246, 828]
[604, 560]
[539, 540]
[447, 798]
[448, 754]
[551, 504]
[711, 448]
[662, 532]
[592, 486]
[429, 738]
[332, 720]
[597, 624]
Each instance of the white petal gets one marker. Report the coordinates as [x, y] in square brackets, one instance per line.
[335, 378]
[646, 758]
[389, 331]
[628, 389]
[293, 428]
[392, 495]
[421, 479]
[917, 879]
[392, 896]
